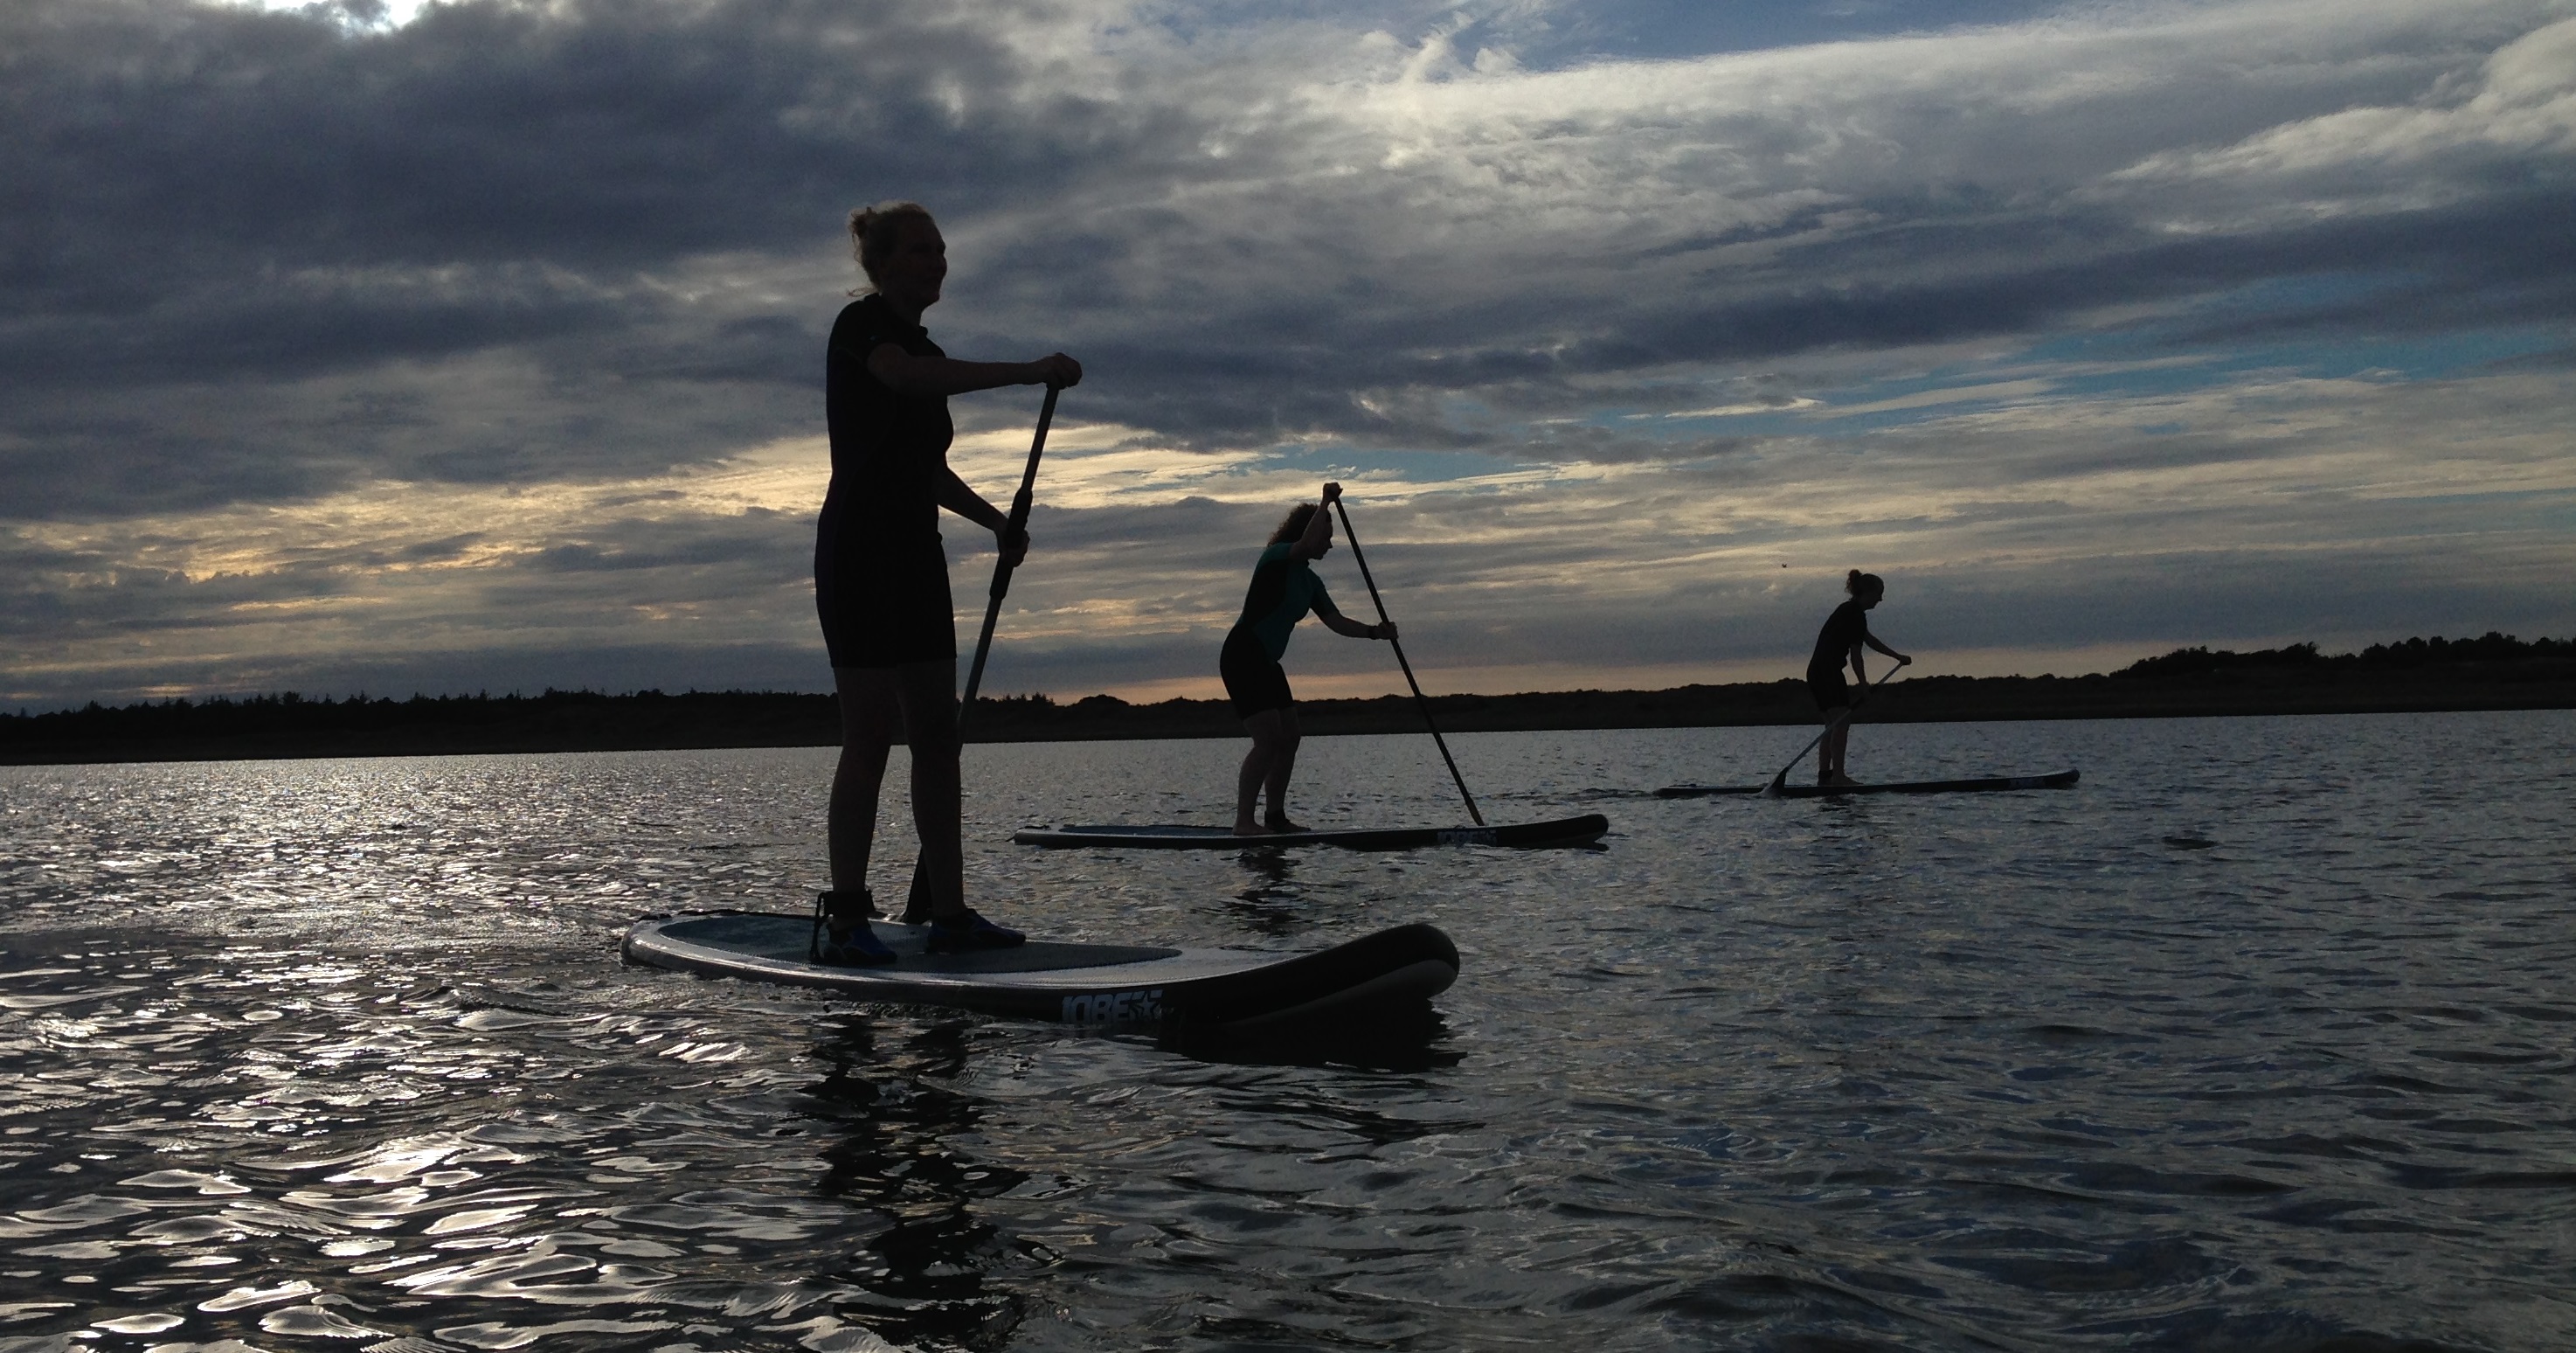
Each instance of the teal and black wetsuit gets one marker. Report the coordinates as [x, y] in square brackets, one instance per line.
[880, 575]
[1283, 590]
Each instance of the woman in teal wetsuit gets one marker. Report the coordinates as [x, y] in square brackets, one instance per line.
[1283, 590]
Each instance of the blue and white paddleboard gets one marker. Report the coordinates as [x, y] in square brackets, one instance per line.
[1236, 990]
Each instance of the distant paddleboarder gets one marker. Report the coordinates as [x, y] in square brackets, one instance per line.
[1283, 590]
[1845, 631]
[881, 577]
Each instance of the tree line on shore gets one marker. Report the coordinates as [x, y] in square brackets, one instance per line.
[2402, 655]
[2494, 671]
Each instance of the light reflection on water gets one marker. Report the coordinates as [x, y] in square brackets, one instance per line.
[2259, 1038]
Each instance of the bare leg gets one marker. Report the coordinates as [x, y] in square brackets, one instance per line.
[1247, 785]
[1829, 753]
[928, 692]
[1283, 763]
[1273, 756]
[868, 708]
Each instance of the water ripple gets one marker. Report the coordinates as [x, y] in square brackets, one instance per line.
[2257, 1039]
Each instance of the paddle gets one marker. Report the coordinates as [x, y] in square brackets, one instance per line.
[1002, 566]
[1781, 780]
[1427, 721]
[914, 906]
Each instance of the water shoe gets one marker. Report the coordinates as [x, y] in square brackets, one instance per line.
[959, 934]
[853, 946]
[842, 936]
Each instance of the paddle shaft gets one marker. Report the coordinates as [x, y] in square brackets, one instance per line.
[1020, 503]
[1773, 788]
[916, 902]
[1427, 721]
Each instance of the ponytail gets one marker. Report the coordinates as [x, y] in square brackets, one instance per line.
[873, 232]
[1861, 584]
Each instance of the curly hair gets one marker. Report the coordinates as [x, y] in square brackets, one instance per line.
[1294, 524]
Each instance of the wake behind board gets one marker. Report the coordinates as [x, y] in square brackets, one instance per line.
[1571, 831]
[1989, 784]
[1236, 990]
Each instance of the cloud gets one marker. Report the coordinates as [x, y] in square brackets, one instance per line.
[329, 335]
[2267, 507]
[2518, 113]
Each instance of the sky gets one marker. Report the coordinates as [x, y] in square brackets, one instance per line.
[478, 346]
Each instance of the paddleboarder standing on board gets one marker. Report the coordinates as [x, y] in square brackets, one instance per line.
[1284, 588]
[1845, 631]
[881, 576]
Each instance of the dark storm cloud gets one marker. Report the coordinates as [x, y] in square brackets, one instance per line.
[2508, 260]
[512, 253]
[210, 198]
[1962, 221]
[171, 139]
[598, 198]
[57, 597]
[2503, 260]
[63, 600]
[1193, 523]
[782, 552]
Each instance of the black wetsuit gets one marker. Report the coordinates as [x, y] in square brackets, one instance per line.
[1848, 625]
[880, 576]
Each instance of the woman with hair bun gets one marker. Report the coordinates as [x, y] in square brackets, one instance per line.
[881, 576]
[1283, 590]
[1845, 631]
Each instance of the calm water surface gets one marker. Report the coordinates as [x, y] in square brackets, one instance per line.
[2261, 1038]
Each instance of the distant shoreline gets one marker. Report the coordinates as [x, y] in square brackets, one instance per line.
[2417, 676]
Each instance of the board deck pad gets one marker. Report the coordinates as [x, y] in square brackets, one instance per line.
[1095, 984]
[1984, 785]
[1570, 831]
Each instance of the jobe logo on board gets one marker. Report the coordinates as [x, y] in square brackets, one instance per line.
[1114, 1007]
[1466, 836]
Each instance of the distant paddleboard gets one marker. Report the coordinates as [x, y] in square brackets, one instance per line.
[1989, 784]
[1233, 990]
[1571, 831]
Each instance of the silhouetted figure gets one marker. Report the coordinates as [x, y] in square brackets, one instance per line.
[1283, 590]
[1845, 631]
[881, 577]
